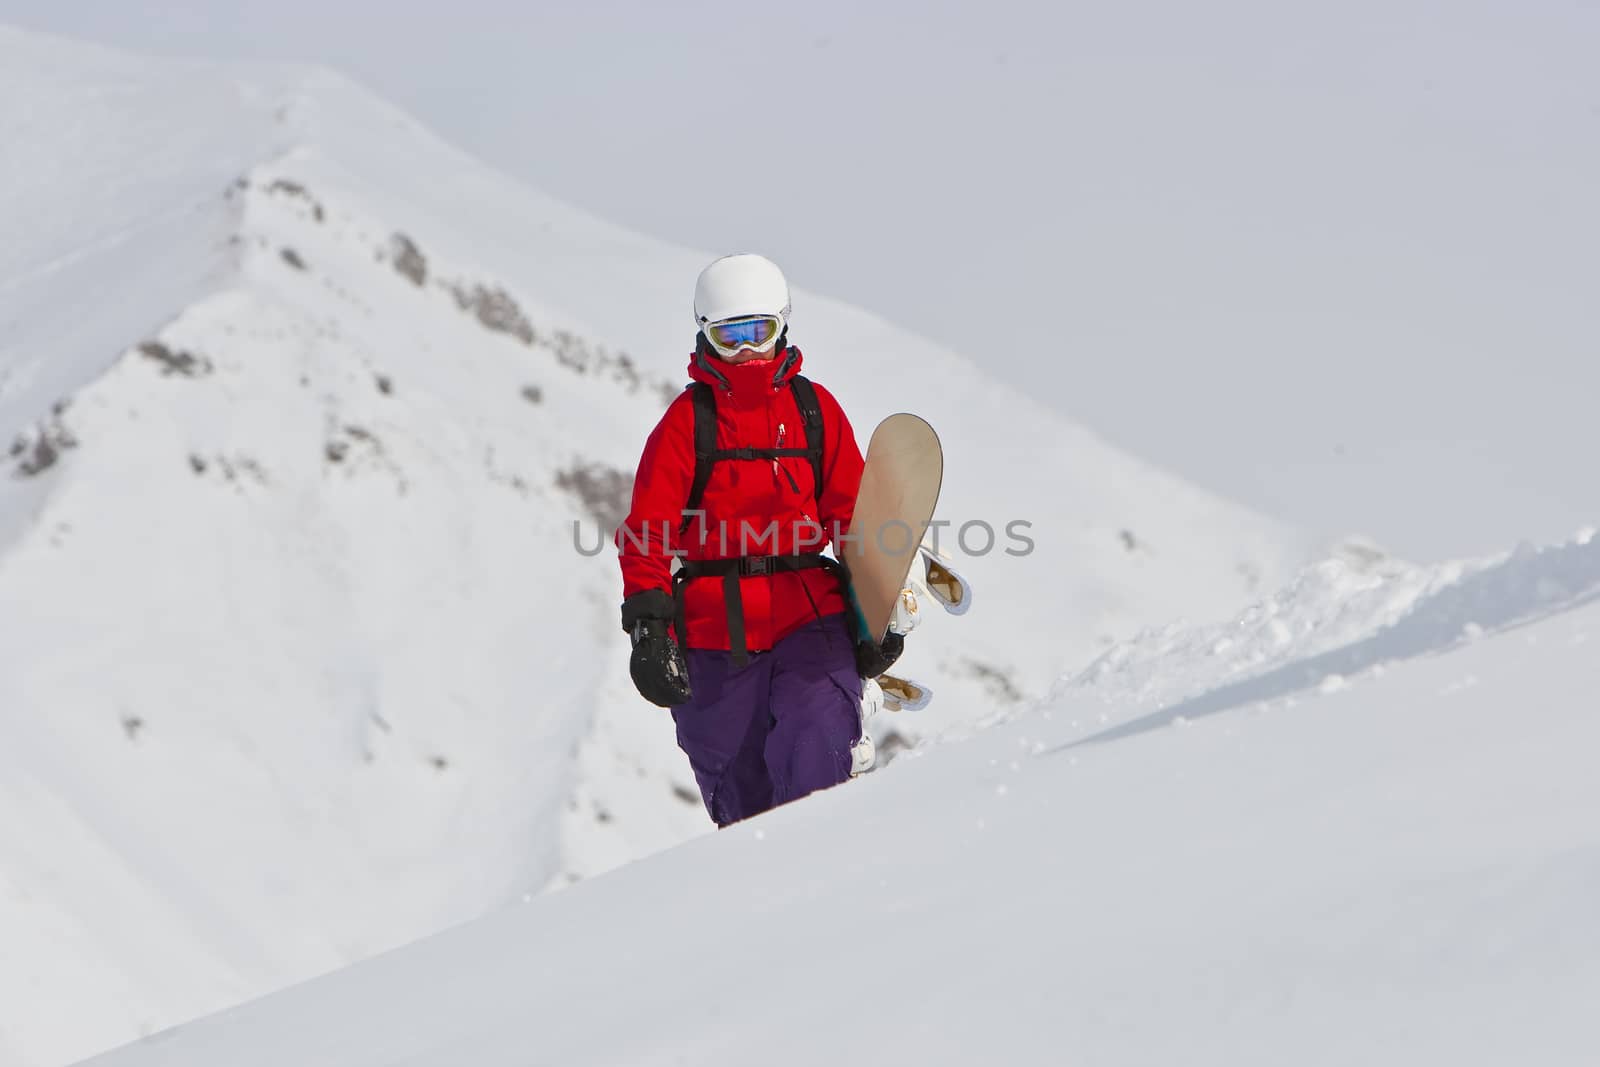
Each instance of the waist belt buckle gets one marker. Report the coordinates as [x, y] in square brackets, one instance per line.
[755, 565]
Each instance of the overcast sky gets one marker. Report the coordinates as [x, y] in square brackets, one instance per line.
[1179, 221]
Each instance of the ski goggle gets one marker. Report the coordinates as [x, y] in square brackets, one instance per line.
[757, 332]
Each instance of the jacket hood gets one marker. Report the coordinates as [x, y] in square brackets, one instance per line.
[759, 379]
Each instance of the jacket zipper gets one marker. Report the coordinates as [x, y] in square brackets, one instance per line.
[777, 466]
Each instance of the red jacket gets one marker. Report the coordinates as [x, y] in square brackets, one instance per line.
[755, 409]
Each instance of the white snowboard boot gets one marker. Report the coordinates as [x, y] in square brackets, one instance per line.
[940, 580]
[864, 753]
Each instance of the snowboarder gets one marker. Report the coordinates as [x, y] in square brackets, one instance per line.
[739, 624]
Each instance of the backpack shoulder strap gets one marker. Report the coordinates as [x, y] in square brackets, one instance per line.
[705, 445]
[805, 398]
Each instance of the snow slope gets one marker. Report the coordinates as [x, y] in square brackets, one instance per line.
[301, 662]
[1355, 824]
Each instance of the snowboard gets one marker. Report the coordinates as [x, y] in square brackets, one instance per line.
[899, 488]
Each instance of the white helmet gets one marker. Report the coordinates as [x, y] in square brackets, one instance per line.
[741, 285]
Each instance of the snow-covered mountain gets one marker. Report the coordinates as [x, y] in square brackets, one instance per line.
[1354, 824]
[302, 658]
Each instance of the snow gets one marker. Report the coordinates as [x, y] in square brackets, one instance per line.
[302, 662]
[1398, 868]
[1390, 200]
[303, 665]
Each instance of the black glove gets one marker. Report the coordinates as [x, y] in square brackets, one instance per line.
[657, 666]
[872, 660]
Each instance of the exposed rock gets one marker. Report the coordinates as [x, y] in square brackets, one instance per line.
[496, 311]
[38, 449]
[286, 187]
[175, 362]
[605, 492]
[408, 259]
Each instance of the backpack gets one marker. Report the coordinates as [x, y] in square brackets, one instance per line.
[706, 452]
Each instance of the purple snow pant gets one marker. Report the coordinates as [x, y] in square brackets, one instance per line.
[775, 729]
